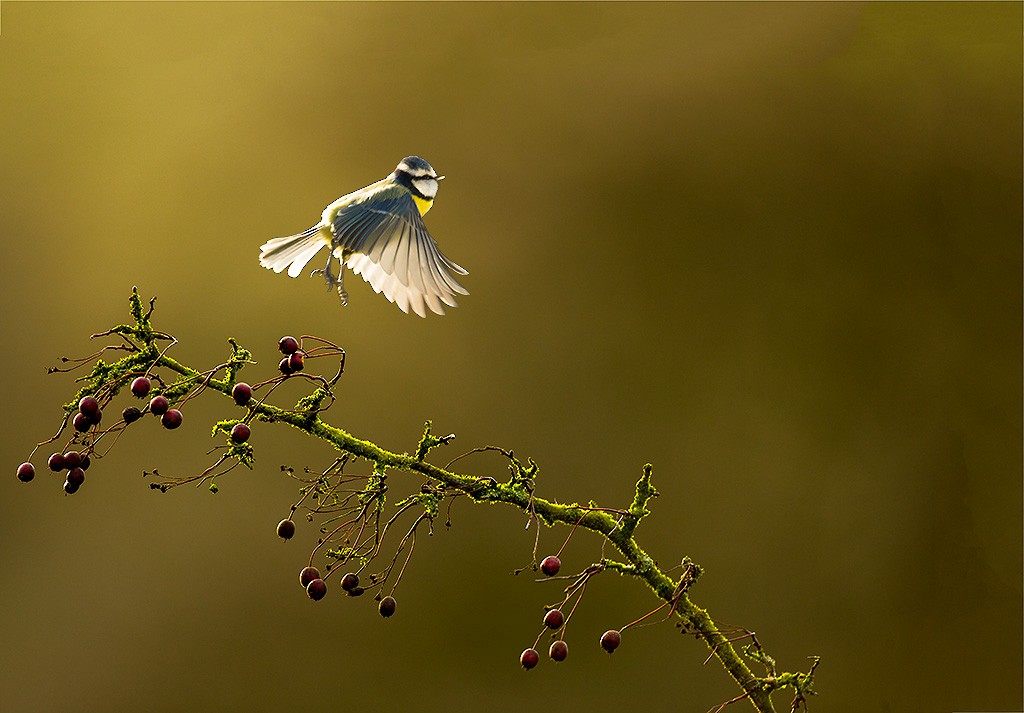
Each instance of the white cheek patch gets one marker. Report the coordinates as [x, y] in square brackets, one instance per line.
[426, 186]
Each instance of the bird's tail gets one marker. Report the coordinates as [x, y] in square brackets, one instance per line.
[292, 252]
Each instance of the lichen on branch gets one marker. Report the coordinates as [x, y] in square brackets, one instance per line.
[355, 517]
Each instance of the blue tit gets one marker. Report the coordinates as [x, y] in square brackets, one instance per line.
[378, 233]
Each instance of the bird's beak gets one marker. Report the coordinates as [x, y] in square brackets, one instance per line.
[439, 178]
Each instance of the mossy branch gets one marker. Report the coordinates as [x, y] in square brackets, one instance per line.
[617, 527]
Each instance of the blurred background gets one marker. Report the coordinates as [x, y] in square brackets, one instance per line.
[773, 249]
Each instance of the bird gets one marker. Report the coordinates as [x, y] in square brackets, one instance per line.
[379, 234]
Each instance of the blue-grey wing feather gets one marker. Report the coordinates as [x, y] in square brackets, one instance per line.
[390, 233]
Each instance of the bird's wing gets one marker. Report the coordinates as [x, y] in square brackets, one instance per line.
[392, 250]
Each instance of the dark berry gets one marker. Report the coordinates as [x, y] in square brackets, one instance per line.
[316, 589]
[296, 361]
[76, 476]
[357, 592]
[286, 529]
[285, 366]
[550, 565]
[307, 575]
[26, 472]
[350, 581]
[241, 393]
[90, 408]
[240, 433]
[529, 658]
[131, 414]
[70, 488]
[72, 459]
[387, 606]
[288, 345]
[558, 651]
[171, 419]
[81, 422]
[86, 461]
[141, 386]
[610, 640]
[158, 405]
[56, 462]
[554, 619]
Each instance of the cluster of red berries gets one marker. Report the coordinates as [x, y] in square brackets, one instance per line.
[554, 619]
[316, 587]
[559, 650]
[170, 418]
[240, 432]
[89, 414]
[294, 358]
[75, 464]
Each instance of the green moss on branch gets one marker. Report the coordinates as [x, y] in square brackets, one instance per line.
[518, 491]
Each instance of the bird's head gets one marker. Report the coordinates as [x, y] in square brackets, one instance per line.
[419, 174]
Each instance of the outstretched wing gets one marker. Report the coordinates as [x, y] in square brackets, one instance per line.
[390, 247]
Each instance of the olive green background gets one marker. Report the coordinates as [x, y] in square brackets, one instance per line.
[773, 249]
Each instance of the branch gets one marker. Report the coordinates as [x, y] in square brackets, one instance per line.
[147, 355]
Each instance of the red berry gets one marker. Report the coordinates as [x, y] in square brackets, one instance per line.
[554, 619]
[529, 658]
[131, 414]
[81, 422]
[296, 362]
[240, 433]
[286, 529]
[90, 408]
[558, 651]
[70, 488]
[307, 575]
[285, 366]
[550, 565]
[26, 472]
[86, 461]
[610, 640]
[288, 345]
[72, 459]
[171, 419]
[76, 476]
[158, 405]
[387, 606]
[241, 393]
[56, 462]
[141, 386]
[316, 589]
[350, 581]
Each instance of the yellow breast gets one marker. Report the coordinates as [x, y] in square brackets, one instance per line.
[423, 205]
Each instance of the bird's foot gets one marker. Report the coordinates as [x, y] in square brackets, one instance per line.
[329, 277]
